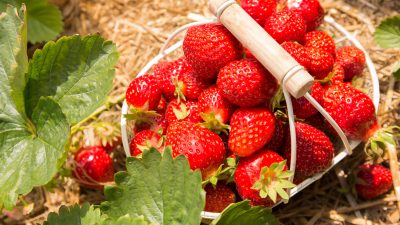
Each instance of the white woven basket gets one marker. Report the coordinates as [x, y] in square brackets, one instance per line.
[127, 128]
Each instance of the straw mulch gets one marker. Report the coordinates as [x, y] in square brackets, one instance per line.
[139, 28]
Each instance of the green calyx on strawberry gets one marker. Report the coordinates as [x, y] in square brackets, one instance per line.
[224, 172]
[273, 180]
[377, 143]
[208, 48]
[183, 111]
[262, 171]
[334, 77]
[145, 140]
[215, 110]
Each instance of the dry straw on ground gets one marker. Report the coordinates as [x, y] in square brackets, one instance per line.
[139, 28]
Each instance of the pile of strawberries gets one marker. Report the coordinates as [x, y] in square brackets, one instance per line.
[218, 103]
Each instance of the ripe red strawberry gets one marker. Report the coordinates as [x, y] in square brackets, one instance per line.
[144, 93]
[321, 62]
[336, 76]
[158, 124]
[183, 111]
[374, 180]
[321, 40]
[260, 10]
[145, 140]
[211, 101]
[210, 47]
[93, 166]
[279, 136]
[310, 10]
[218, 198]
[314, 150]
[256, 178]
[352, 59]
[178, 80]
[251, 129]
[352, 109]
[302, 108]
[286, 26]
[298, 52]
[203, 148]
[246, 83]
[162, 106]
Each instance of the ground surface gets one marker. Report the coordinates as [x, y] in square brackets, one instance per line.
[139, 28]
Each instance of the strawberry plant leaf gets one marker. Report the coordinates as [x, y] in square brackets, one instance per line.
[162, 189]
[242, 213]
[387, 34]
[44, 19]
[31, 151]
[85, 215]
[77, 72]
[13, 61]
[126, 220]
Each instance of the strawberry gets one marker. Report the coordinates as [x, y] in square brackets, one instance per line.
[286, 26]
[278, 137]
[144, 93]
[246, 83]
[262, 175]
[210, 47]
[336, 76]
[218, 198]
[321, 40]
[352, 109]
[374, 180]
[303, 108]
[93, 166]
[158, 124]
[310, 10]
[352, 59]
[162, 106]
[145, 140]
[203, 148]
[178, 80]
[183, 111]
[251, 129]
[314, 150]
[298, 52]
[215, 109]
[321, 62]
[260, 10]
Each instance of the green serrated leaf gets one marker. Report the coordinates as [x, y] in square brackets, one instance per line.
[77, 72]
[396, 70]
[44, 19]
[126, 220]
[30, 154]
[387, 35]
[30, 150]
[242, 213]
[162, 189]
[85, 215]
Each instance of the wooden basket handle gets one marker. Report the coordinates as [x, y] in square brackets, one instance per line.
[262, 46]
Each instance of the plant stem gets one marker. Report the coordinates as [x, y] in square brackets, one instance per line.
[98, 111]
